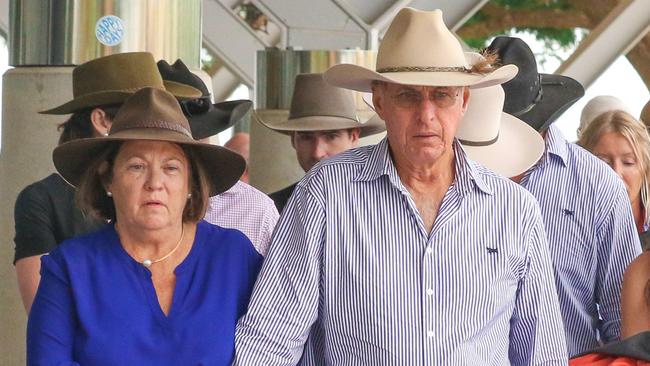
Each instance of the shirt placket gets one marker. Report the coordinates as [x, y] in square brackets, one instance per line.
[435, 252]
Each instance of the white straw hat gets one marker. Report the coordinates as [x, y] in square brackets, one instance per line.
[499, 141]
[418, 49]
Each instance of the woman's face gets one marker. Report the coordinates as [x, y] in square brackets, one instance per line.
[150, 184]
[615, 150]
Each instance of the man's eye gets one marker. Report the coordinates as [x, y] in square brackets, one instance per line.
[136, 167]
[440, 95]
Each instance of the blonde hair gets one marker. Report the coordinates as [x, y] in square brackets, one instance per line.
[636, 134]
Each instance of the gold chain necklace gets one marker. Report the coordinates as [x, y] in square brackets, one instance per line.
[148, 262]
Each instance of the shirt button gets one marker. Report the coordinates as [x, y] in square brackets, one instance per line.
[429, 291]
[430, 334]
[429, 250]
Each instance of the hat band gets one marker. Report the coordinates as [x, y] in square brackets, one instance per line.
[423, 69]
[163, 125]
[479, 143]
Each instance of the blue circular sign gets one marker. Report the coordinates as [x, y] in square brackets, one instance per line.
[109, 30]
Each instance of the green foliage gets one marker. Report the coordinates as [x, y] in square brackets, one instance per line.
[563, 38]
[533, 4]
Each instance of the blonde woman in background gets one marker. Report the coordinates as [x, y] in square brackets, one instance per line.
[623, 143]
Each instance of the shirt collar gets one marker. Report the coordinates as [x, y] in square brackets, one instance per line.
[380, 163]
[556, 144]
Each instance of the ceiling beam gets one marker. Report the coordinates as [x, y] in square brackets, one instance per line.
[614, 36]
[231, 39]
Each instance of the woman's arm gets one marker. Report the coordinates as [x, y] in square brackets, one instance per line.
[635, 308]
[52, 321]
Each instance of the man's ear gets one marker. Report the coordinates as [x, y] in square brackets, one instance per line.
[294, 135]
[378, 99]
[101, 122]
[465, 99]
[354, 135]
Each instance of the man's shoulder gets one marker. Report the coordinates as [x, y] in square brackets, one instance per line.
[243, 192]
[346, 164]
[501, 187]
[595, 173]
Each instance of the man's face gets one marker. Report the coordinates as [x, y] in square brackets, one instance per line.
[314, 146]
[421, 121]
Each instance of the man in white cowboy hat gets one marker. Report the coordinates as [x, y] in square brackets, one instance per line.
[241, 207]
[322, 122]
[407, 252]
[591, 233]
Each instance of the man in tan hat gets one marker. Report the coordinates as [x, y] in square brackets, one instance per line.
[408, 252]
[45, 212]
[322, 122]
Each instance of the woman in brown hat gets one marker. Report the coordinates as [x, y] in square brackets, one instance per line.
[156, 286]
[45, 213]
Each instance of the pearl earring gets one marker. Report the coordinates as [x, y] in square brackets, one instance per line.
[109, 193]
[189, 196]
[105, 134]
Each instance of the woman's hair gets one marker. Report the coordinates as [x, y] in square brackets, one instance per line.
[79, 125]
[91, 192]
[634, 132]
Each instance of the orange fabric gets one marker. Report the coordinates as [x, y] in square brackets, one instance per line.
[595, 359]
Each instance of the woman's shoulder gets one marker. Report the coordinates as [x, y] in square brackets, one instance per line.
[639, 269]
[87, 244]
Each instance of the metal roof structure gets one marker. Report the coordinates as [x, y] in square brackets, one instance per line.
[340, 24]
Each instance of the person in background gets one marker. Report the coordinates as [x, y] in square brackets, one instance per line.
[622, 142]
[45, 212]
[407, 252]
[158, 285]
[322, 122]
[585, 207]
[240, 143]
[242, 207]
[597, 106]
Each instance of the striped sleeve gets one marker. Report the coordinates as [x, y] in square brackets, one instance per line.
[536, 335]
[284, 303]
[618, 245]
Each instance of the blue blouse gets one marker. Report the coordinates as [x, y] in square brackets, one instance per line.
[96, 305]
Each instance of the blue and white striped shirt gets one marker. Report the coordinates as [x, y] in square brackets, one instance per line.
[591, 234]
[353, 276]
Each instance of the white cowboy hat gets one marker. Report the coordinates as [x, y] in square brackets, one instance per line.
[418, 49]
[318, 106]
[495, 139]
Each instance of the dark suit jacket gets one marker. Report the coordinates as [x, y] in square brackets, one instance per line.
[281, 197]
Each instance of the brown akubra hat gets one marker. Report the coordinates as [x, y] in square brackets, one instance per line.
[150, 114]
[319, 106]
[111, 79]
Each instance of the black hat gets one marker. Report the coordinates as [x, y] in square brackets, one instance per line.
[206, 119]
[537, 99]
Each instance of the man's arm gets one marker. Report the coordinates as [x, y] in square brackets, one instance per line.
[284, 303]
[537, 334]
[618, 245]
[34, 237]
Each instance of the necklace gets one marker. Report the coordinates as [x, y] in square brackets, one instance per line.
[148, 262]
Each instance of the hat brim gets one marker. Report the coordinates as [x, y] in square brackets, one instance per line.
[516, 150]
[220, 117]
[359, 78]
[278, 120]
[559, 93]
[180, 91]
[223, 166]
